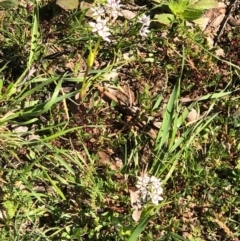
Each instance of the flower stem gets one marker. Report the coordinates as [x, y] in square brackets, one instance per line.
[90, 60]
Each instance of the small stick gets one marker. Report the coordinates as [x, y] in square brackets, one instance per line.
[225, 22]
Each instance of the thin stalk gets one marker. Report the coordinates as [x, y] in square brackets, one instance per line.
[91, 57]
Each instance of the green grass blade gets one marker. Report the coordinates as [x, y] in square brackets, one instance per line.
[35, 35]
[140, 227]
[53, 183]
[163, 133]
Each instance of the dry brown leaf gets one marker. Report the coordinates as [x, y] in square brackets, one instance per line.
[67, 5]
[33, 137]
[20, 129]
[70, 65]
[20, 185]
[210, 42]
[2, 180]
[86, 6]
[220, 52]
[3, 215]
[105, 160]
[202, 22]
[134, 199]
[111, 76]
[192, 115]
[186, 99]
[224, 227]
[135, 203]
[136, 215]
[127, 14]
[217, 21]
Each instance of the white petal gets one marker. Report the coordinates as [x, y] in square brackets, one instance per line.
[144, 31]
[107, 39]
[156, 198]
[92, 24]
[144, 19]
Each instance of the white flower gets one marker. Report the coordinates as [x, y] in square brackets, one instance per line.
[144, 31]
[98, 11]
[143, 181]
[156, 198]
[115, 13]
[144, 20]
[155, 181]
[113, 4]
[101, 28]
[149, 188]
[114, 8]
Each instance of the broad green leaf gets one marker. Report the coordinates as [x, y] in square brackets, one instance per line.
[178, 7]
[8, 4]
[67, 4]
[192, 14]
[164, 18]
[204, 4]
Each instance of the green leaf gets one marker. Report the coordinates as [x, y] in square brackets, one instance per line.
[178, 7]
[34, 38]
[90, 59]
[192, 14]
[54, 184]
[163, 133]
[177, 237]
[1, 85]
[67, 4]
[8, 4]
[11, 90]
[140, 227]
[11, 208]
[164, 18]
[204, 4]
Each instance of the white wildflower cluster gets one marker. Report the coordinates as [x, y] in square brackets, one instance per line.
[145, 21]
[149, 188]
[108, 14]
[101, 28]
[104, 14]
[113, 8]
